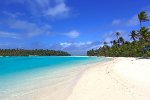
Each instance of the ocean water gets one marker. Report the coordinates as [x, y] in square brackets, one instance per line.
[25, 78]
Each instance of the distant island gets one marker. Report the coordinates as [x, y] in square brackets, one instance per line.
[36, 52]
[138, 47]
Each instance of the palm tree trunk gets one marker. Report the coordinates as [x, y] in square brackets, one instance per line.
[140, 24]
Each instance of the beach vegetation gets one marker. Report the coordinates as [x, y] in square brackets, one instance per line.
[138, 46]
[36, 52]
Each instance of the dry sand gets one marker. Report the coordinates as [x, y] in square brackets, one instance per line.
[119, 79]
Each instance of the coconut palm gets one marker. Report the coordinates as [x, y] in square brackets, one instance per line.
[133, 35]
[118, 34]
[121, 40]
[114, 42]
[144, 34]
[111, 42]
[140, 46]
[143, 17]
[105, 43]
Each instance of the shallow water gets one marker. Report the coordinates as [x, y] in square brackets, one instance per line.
[25, 78]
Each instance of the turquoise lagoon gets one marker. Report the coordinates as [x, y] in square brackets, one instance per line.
[23, 77]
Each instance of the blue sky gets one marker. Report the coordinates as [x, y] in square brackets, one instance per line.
[71, 25]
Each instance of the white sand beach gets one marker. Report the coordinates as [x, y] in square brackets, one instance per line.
[119, 79]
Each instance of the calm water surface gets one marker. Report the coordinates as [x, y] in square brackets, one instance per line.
[19, 72]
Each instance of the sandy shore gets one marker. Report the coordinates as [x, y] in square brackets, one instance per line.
[119, 79]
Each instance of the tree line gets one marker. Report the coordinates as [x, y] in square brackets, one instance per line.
[139, 46]
[40, 52]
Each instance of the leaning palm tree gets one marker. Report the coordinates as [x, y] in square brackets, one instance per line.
[143, 17]
[133, 35]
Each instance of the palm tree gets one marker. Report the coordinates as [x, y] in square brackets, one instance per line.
[143, 17]
[105, 43]
[118, 34]
[133, 35]
[144, 34]
[111, 42]
[114, 42]
[91, 53]
[121, 40]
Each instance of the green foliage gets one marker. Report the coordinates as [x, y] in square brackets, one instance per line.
[133, 49]
[148, 53]
[143, 17]
[134, 35]
[121, 48]
[22, 52]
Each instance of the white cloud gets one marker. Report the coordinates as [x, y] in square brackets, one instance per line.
[107, 37]
[116, 22]
[59, 10]
[133, 21]
[76, 48]
[8, 35]
[72, 34]
[11, 45]
[147, 9]
[77, 44]
[29, 29]
[49, 8]
[42, 3]
[65, 44]
[111, 35]
[12, 15]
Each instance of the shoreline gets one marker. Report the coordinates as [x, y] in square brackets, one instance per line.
[83, 71]
[51, 84]
[118, 79]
